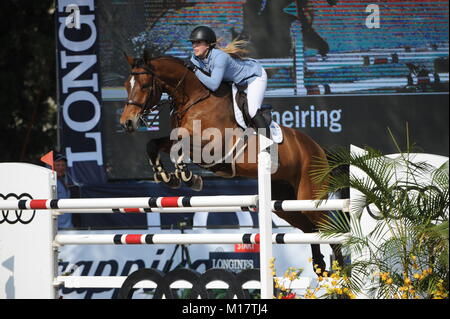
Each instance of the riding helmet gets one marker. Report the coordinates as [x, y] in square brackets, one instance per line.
[203, 33]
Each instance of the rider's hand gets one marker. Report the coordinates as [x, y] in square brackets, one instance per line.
[191, 66]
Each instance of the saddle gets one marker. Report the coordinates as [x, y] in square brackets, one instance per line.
[242, 104]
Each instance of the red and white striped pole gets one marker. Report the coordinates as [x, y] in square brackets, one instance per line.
[188, 239]
[130, 202]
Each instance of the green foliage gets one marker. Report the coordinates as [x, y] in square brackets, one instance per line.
[406, 251]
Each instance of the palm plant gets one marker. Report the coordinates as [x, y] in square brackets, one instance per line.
[398, 227]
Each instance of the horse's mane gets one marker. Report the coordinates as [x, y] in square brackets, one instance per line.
[140, 62]
[170, 57]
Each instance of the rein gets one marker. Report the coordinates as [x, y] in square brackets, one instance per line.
[146, 109]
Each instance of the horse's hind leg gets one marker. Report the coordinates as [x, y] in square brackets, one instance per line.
[337, 251]
[300, 221]
[306, 191]
[160, 175]
[285, 191]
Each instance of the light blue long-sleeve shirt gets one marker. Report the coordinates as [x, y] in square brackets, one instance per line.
[222, 67]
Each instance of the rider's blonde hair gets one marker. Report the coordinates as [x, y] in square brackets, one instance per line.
[236, 48]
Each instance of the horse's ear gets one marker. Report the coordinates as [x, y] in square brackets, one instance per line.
[130, 60]
[147, 56]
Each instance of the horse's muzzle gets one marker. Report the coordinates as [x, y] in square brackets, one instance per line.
[129, 126]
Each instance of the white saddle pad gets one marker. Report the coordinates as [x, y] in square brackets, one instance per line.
[275, 129]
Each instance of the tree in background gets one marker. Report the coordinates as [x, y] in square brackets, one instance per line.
[27, 80]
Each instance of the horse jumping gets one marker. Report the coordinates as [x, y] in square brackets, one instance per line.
[191, 102]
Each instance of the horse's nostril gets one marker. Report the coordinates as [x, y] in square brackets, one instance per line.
[129, 126]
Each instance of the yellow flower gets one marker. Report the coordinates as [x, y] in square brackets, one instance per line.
[335, 265]
[318, 271]
[407, 281]
[416, 276]
[325, 274]
[389, 281]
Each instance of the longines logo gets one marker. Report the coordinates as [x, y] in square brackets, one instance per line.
[16, 216]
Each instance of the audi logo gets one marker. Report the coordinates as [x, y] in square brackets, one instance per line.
[410, 202]
[16, 216]
[198, 281]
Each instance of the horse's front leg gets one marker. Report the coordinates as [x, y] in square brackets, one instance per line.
[160, 174]
[192, 180]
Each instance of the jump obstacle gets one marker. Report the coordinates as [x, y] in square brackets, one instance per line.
[29, 240]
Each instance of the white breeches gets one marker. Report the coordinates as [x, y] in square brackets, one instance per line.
[255, 93]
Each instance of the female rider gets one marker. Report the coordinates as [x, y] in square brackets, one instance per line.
[227, 64]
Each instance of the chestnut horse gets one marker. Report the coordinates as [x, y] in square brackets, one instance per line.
[191, 101]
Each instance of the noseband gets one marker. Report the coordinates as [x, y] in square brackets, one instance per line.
[147, 109]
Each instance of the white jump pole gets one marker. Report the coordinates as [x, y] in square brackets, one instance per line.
[311, 205]
[265, 216]
[173, 210]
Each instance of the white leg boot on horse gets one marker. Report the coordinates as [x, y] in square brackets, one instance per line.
[160, 175]
[194, 181]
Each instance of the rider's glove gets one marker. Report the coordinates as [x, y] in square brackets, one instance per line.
[191, 66]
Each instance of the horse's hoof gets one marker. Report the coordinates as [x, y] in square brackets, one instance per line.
[197, 183]
[321, 272]
[173, 182]
[319, 265]
[157, 178]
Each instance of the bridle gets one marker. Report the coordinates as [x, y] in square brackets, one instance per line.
[145, 106]
[146, 109]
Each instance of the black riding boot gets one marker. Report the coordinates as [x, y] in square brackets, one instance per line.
[260, 125]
